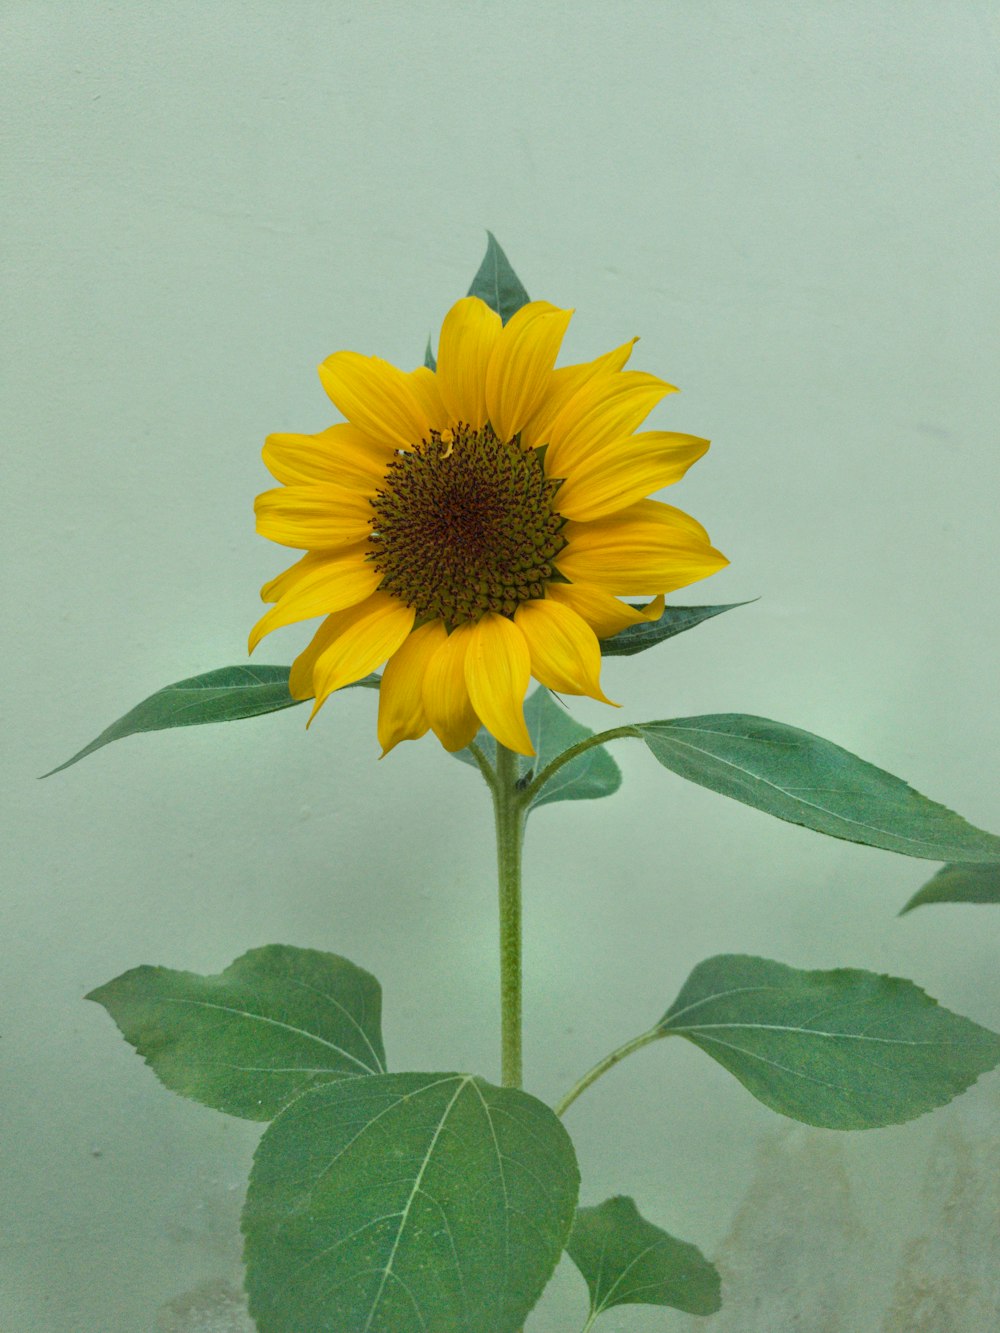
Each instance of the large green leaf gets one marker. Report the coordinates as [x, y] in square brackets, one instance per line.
[629, 1261]
[674, 620]
[496, 283]
[810, 781]
[407, 1203]
[844, 1049]
[275, 1023]
[224, 695]
[959, 884]
[552, 730]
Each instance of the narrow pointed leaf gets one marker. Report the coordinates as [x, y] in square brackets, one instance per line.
[629, 1261]
[497, 284]
[224, 695]
[959, 884]
[429, 359]
[844, 1049]
[276, 1022]
[675, 620]
[407, 1203]
[553, 729]
[807, 780]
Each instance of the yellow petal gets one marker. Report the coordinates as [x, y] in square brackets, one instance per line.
[341, 454]
[446, 695]
[322, 584]
[425, 388]
[376, 397]
[645, 548]
[606, 409]
[318, 517]
[468, 336]
[565, 654]
[522, 361]
[564, 384]
[358, 640]
[604, 613]
[622, 472]
[497, 672]
[401, 712]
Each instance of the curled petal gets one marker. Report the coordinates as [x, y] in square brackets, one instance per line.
[468, 336]
[318, 586]
[342, 454]
[564, 384]
[521, 364]
[426, 389]
[606, 409]
[312, 518]
[624, 471]
[445, 693]
[356, 641]
[604, 613]
[497, 672]
[565, 654]
[645, 548]
[376, 397]
[401, 712]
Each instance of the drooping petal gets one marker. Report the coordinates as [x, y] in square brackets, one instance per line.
[358, 640]
[497, 672]
[341, 454]
[565, 654]
[521, 364]
[401, 712]
[376, 397]
[425, 388]
[321, 585]
[317, 517]
[603, 612]
[468, 336]
[564, 384]
[621, 472]
[648, 547]
[607, 408]
[446, 695]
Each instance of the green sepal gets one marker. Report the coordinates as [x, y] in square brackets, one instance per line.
[552, 729]
[277, 1022]
[844, 1049]
[405, 1203]
[806, 780]
[224, 695]
[959, 884]
[674, 620]
[497, 284]
[626, 1260]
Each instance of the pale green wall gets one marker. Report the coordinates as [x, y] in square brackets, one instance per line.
[796, 206]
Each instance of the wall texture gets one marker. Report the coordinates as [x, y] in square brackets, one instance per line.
[796, 207]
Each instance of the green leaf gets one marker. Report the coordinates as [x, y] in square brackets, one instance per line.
[497, 284]
[806, 780]
[675, 620]
[407, 1203]
[959, 884]
[224, 695]
[844, 1049]
[429, 359]
[629, 1261]
[552, 730]
[275, 1023]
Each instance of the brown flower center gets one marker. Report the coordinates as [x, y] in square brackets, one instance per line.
[464, 524]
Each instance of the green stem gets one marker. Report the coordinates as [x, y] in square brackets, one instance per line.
[509, 808]
[602, 1067]
[538, 782]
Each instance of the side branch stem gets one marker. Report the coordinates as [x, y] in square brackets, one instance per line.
[537, 783]
[602, 1067]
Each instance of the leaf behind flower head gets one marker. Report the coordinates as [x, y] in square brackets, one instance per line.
[497, 284]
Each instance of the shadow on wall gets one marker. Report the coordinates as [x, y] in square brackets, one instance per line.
[797, 1255]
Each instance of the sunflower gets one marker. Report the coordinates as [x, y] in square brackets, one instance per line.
[473, 526]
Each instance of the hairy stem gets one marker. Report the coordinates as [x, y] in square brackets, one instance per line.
[537, 783]
[509, 808]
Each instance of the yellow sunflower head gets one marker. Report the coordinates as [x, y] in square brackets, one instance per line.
[475, 525]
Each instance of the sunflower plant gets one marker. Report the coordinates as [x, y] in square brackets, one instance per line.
[472, 525]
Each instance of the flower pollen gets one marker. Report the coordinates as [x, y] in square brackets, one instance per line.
[464, 524]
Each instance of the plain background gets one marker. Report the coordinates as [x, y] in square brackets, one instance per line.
[796, 207]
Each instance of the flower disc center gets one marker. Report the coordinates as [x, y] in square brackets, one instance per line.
[464, 524]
